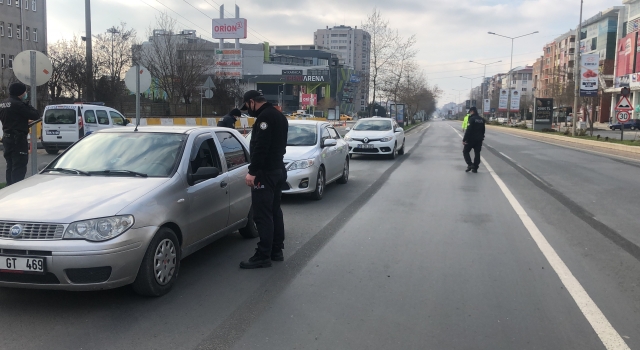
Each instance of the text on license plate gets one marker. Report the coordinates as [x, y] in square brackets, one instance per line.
[53, 132]
[13, 263]
[362, 145]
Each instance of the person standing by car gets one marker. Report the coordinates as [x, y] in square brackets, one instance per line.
[266, 177]
[229, 120]
[15, 114]
[473, 137]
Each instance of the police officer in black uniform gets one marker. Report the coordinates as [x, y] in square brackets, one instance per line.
[472, 140]
[15, 114]
[229, 120]
[266, 177]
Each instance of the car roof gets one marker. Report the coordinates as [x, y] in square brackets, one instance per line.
[308, 122]
[163, 129]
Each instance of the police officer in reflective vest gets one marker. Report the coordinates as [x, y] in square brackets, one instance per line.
[472, 140]
[465, 122]
[266, 178]
[15, 114]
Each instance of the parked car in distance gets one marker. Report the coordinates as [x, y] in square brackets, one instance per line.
[316, 156]
[64, 124]
[376, 135]
[124, 207]
[345, 117]
[633, 124]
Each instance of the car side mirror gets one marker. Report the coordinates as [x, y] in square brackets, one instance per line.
[347, 129]
[329, 143]
[399, 129]
[204, 173]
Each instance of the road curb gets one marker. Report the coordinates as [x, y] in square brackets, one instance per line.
[599, 146]
[413, 127]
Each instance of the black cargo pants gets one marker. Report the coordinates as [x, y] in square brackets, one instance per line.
[476, 147]
[16, 153]
[266, 196]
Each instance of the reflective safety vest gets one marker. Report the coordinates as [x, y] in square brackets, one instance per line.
[465, 122]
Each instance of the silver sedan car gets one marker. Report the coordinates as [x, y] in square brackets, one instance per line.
[124, 206]
[316, 156]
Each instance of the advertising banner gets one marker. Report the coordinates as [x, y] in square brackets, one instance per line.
[589, 64]
[515, 101]
[626, 55]
[308, 99]
[502, 103]
[544, 113]
[228, 64]
[400, 112]
[487, 106]
[229, 28]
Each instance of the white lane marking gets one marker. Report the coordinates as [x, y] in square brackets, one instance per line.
[506, 156]
[610, 338]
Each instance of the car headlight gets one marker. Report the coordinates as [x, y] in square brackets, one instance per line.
[348, 138]
[300, 164]
[97, 230]
[386, 139]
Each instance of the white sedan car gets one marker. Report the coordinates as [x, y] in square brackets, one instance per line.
[376, 136]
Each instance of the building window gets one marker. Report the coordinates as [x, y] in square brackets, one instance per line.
[2, 61]
[0, 1]
[26, 5]
[10, 30]
[17, 3]
[1, 28]
[26, 33]
[361, 102]
[10, 61]
[35, 34]
[524, 89]
[33, 5]
[18, 32]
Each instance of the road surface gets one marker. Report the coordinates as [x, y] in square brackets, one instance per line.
[539, 253]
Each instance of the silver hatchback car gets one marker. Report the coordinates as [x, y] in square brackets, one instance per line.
[124, 206]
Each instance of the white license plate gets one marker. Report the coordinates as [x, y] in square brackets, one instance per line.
[362, 145]
[53, 132]
[14, 263]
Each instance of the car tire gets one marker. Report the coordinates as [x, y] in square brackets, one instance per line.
[395, 152]
[321, 183]
[401, 150]
[345, 173]
[251, 230]
[51, 151]
[164, 243]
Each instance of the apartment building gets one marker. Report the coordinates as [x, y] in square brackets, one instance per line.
[558, 65]
[23, 26]
[353, 46]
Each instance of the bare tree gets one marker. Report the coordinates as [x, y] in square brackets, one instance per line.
[113, 56]
[383, 40]
[177, 63]
[402, 62]
[68, 60]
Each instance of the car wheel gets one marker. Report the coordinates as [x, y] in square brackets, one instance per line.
[401, 150]
[251, 230]
[160, 265]
[320, 185]
[51, 151]
[345, 173]
[394, 153]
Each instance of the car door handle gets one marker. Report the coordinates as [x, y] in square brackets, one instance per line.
[223, 184]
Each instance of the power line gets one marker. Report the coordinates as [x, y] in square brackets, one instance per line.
[153, 7]
[230, 14]
[158, 1]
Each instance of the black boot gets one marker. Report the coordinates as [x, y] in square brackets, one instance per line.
[474, 170]
[469, 168]
[277, 255]
[256, 261]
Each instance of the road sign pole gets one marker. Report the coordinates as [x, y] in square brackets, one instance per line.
[137, 95]
[621, 131]
[201, 98]
[34, 128]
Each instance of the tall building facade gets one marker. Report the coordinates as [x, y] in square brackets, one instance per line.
[353, 46]
[23, 26]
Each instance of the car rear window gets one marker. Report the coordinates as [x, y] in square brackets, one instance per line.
[60, 116]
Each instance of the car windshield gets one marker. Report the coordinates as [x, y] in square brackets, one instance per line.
[373, 125]
[60, 116]
[122, 154]
[302, 135]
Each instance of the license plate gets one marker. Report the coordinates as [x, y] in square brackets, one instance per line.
[53, 132]
[362, 145]
[22, 264]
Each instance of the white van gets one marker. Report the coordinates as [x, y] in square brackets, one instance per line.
[63, 125]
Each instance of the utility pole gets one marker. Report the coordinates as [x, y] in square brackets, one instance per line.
[113, 31]
[87, 18]
[576, 74]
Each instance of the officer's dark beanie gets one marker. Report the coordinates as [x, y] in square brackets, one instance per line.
[17, 89]
[236, 112]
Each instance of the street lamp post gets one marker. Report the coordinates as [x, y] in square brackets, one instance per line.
[470, 87]
[511, 66]
[484, 76]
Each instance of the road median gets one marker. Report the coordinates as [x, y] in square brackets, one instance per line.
[573, 142]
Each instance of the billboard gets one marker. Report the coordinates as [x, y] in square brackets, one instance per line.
[229, 28]
[589, 64]
[487, 106]
[399, 109]
[308, 99]
[515, 101]
[228, 64]
[544, 113]
[502, 102]
[625, 63]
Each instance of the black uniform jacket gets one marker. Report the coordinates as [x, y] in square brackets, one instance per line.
[268, 140]
[15, 115]
[475, 130]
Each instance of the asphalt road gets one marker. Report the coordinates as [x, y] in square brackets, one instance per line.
[541, 253]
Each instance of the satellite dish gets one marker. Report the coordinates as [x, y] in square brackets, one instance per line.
[130, 78]
[22, 67]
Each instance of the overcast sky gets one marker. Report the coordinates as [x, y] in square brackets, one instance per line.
[449, 33]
